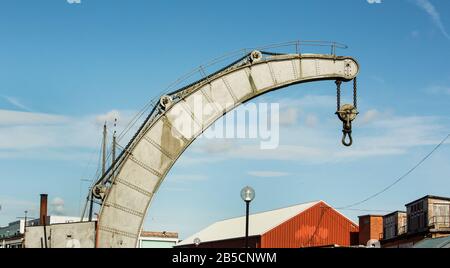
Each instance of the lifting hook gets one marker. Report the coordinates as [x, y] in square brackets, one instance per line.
[346, 113]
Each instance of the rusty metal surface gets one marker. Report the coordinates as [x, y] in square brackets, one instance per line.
[320, 225]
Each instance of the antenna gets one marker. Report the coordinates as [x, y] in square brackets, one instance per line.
[91, 195]
[113, 160]
[104, 150]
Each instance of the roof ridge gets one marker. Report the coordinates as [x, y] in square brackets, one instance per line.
[270, 210]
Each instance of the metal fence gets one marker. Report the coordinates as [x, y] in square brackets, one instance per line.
[442, 221]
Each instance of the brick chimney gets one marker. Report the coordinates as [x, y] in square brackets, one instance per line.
[43, 210]
[370, 227]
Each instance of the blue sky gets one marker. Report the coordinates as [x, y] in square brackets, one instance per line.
[64, 68]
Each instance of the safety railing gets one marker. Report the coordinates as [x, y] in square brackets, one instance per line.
[442, 221]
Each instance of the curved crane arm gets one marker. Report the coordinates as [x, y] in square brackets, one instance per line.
[177, 121]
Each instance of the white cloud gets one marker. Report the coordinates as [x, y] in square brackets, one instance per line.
[311, 120]
[439, 90]
[11, 208]
[218, 146]
[431, 10]
[267, 174]
[74, 1]
[57, 206]
[288, 117]
[178, 189]
[108, 118]
[374, 1]
[311, 101]
[187, 177]
[17, 103]
[375, 133]
[16, 118]
[369, 116]
[26, 134]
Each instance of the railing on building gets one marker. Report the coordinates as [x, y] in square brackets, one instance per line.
[402, 230]
[438, 222]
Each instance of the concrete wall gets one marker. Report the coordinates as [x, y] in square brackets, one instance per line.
[68, 235]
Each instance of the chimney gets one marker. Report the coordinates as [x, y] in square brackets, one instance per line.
[370, 228]
[43, 210]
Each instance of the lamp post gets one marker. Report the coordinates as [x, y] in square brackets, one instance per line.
[197, 241]
[247, 194]
[25, 223]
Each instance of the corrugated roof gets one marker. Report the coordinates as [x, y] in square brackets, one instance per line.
[441, 242]
[259, 224]
[429, 197]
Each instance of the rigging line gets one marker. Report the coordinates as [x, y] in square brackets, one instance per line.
[366, 210]
[85, 173]
[154, 100]
[133, 121]
[97, 171]
[399, 179]
[220, 59]
[155, 106]
[91, 159]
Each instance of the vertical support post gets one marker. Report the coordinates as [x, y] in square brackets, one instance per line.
[104, 150]
[113, 153]
[25, 228]
[247, 210]
[91, 194]
[91, 203]
[45, 232]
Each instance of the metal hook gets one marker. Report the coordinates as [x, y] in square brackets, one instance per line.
[350, 139]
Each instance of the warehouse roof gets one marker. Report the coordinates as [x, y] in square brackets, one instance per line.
[429, 197]
[159, 234]
[441, 242]
[259, 224]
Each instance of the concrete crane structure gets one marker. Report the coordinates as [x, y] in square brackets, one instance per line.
[125, 190]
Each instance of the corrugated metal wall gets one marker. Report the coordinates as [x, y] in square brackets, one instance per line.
[318, 226]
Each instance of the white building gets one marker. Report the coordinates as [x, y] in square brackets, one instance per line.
[11, 236]
[157, 239]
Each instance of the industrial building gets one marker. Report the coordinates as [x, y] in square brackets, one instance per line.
[370, 228]
[157, 239]
[64, 231]
[312, 224]
[426, 218]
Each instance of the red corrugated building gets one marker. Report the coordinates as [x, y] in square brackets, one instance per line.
[313, 224]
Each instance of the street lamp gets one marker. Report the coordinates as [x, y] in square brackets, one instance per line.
[247, 194]
[25, 223]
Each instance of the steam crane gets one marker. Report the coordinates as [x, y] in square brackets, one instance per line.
[125, 190]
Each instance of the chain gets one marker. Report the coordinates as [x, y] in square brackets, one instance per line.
[347, 112]
[338, 95]
[355, 101]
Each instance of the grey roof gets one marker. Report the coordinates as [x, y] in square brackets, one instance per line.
[441, 242]
[429, 197]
